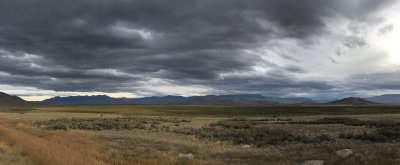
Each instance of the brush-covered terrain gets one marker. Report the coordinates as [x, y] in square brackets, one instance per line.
[284, 134]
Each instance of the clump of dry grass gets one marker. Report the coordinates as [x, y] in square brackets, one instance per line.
[9, 155]
[43, 151]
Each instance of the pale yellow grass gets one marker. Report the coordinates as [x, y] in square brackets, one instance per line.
[9, 156]
[103, 109]
[37, 116]
[43, 151]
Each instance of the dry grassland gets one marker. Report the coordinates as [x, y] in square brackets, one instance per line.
[52, 136]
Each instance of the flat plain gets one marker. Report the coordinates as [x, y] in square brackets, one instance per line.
[172, 134]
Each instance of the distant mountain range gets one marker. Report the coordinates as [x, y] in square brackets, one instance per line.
[352, 101]
[254, 99]
[179, 100]
[386, 99]
[239, 99]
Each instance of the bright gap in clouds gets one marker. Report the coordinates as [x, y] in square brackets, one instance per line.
[390, 36]
[391, 43]
[35, 94]
[65, 94]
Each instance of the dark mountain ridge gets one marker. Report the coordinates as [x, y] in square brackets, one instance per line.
[10, 100]
[352, 101]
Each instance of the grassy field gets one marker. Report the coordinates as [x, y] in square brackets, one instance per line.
[204, 110]
[124, 135]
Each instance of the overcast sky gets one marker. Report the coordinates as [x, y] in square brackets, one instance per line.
[135, 48]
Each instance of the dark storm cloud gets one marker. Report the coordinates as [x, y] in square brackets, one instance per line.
[294, 69]
[83, 42]
[377, 81]
[354, 41]
[271, 85]
[386, 29]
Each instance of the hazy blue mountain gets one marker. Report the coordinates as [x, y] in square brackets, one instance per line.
[386, 99]
[352, 101]
[101, 99]
[209, 99]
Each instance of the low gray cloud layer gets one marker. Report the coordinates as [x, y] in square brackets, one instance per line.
[119, 45]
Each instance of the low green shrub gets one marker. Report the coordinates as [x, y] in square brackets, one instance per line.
[98, 124]
[250, 132]
[260, 136]
[351, 122]
[385, 134]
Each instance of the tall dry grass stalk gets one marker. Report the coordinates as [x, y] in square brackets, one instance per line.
[44, 151]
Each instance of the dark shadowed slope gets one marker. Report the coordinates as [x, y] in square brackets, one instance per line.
[352, 101]
[7, 100]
